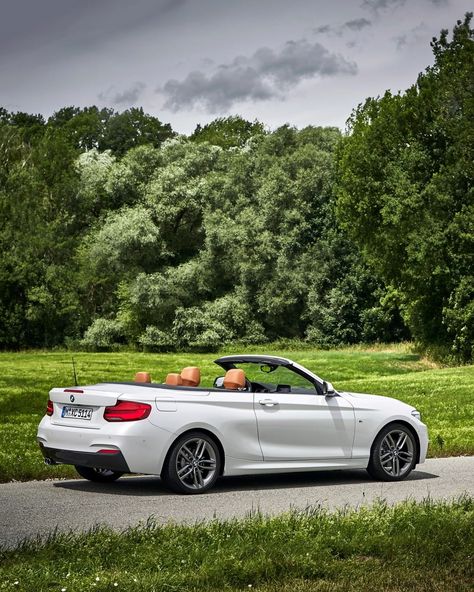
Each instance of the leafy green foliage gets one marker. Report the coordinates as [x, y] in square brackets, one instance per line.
[406, 195]
[103, 334]
[228, 132]
[246, 247]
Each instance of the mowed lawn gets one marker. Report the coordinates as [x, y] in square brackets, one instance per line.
[445, 396]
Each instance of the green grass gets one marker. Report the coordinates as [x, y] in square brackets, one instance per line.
[445, 396]
[412, 546]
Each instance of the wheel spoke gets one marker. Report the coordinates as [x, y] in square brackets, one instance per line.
[397, 466]
[390, 441]
[207, 463]
[184, 471]
[186, 452]
[199, 477]
[200, 448]
[401, 441]
[405, 456]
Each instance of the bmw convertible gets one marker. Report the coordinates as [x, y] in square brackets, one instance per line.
[262, 414]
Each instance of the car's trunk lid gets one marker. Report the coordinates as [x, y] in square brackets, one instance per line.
[81, 407]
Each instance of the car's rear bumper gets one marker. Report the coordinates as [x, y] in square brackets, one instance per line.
[142, 445]
[96, 460]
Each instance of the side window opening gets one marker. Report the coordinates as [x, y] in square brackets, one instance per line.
[276, 379]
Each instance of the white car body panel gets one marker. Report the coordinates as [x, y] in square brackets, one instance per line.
[304, 427]
[301, 432]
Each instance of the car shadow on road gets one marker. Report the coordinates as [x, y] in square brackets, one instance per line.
[143, 486]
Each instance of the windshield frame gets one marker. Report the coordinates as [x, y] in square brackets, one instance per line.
[228, 362]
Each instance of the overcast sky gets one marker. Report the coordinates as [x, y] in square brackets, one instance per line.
[188, 61]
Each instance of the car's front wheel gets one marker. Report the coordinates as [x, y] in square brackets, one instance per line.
[394, 452]
[193, 464]
[98, 475]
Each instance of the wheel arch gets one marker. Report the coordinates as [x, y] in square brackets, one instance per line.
[405, 424]
[205, 431]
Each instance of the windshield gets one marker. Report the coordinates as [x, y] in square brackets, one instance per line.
[274, 378]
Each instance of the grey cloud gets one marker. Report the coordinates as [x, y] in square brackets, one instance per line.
[323, 29]
[357, 24]
[127, 97]
[412, 36]
[264, 75]
[219, 91]
[353, 25]
[377, 5]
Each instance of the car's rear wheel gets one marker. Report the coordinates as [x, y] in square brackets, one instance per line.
[193, 464]
[98, 475]
[394, 452]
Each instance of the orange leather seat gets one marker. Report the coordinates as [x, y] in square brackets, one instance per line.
[234, 379]
[174, 379]
[191, 376]
[142, 377]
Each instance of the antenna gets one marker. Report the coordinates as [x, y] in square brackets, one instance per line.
[74, 371]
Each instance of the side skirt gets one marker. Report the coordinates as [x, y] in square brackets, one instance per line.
[236, 466]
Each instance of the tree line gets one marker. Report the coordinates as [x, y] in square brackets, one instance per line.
[116, 230]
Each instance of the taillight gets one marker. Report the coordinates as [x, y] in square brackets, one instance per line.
[49, 408]
[127, 411]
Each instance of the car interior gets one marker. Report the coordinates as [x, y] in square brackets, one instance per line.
[236, 379]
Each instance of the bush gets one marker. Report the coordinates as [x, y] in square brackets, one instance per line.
[103, 335]
[156, 340]
[459, 319]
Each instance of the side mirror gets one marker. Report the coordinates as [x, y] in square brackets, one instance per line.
[219, 382]
[328, 389]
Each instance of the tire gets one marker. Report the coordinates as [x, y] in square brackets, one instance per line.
[393, 454]
[98, 475]
[193, 464]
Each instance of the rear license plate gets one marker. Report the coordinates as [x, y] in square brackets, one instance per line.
[74, 412]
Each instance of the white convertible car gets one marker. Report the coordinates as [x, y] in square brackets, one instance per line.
[263, 414]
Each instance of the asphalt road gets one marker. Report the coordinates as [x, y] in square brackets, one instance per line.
[38, 507]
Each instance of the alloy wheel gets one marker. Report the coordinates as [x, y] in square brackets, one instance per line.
[396, 453]
[196, 463]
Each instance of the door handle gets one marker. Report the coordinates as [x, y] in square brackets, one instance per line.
[268, 403]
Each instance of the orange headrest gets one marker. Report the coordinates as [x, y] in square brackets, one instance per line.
[142, 377]
[234, 379]
[174, 379]
[191, 376]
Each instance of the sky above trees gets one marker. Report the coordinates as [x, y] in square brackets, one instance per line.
[301, 62]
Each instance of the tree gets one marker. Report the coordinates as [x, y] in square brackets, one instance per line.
[85, 128]
[131, 128]
[228, 132]
[406, 191]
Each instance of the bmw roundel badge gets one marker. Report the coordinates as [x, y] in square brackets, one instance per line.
[72, 399]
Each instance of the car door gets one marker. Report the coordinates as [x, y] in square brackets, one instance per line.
[304, 426]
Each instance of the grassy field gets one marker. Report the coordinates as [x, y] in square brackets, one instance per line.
[412, 546]
[445, 396]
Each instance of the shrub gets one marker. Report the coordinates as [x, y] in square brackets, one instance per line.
[103, 334]
[156, 340]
